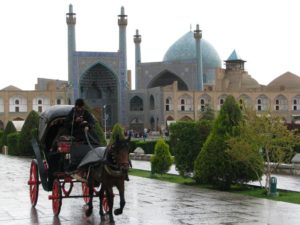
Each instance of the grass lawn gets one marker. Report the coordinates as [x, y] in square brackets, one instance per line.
[284, 196]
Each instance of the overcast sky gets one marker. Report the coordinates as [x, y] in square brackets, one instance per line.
[33, 40]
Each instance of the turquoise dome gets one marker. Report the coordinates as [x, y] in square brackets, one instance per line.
[184, 49]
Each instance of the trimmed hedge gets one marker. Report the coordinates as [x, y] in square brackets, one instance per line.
[162, 160]
[12, 143]
[187, 139]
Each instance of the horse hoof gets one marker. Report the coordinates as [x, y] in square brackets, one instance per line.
[118, 212]
[88, 212]
[102, 218]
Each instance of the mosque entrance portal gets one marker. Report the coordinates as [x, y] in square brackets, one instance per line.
[98, 86]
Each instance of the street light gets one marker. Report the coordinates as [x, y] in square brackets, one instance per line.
[104, 121]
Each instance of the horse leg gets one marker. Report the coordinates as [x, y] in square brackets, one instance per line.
[122, 199]
[110, 198]
[89, 210]
[101, 196]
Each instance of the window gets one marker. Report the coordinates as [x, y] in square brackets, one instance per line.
[262, 103]
[296, 103]
[40, 109]
[40, 102]
[281, 103]
[168, 105]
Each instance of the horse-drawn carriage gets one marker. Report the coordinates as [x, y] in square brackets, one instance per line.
[55, 151]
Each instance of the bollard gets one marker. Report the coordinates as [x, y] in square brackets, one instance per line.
[273, 187]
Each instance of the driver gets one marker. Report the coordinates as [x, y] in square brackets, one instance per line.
[77, 119]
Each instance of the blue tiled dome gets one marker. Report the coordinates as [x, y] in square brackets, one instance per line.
[184, 49]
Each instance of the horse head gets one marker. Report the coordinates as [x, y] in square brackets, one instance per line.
[120, 154]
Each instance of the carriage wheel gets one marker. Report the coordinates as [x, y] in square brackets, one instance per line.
[56, 197]
[33, 183]
[85, 192]
[105, 203]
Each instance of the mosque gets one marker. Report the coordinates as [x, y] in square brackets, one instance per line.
[180, 87]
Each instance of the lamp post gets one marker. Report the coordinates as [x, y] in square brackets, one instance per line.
[104, 107]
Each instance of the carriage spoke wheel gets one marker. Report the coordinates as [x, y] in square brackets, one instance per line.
[33, 183]
[85, 192]
[56, 197]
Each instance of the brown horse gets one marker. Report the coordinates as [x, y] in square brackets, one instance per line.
[112, 172]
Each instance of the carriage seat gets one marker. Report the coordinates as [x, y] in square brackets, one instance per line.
[93, 156]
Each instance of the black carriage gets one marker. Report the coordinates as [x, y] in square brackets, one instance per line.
[53, 154]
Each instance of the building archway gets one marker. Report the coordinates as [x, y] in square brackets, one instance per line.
[167, 78]
[99, 88]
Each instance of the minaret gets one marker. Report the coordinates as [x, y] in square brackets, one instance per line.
[198, 36]
[123, 86]
[137, 41]
[73, 83]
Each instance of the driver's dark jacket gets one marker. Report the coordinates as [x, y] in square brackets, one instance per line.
[77, 131]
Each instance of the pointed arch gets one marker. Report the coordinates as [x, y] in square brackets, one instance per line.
[244, 101]
[204, 102]
[99, 86]
[165, 78]
[185, 103]
[221, 100]
[136, 104]
[262, 103]
[17, 103]
[296, 103]
[186, 118]
[168, 104]
[281, 103]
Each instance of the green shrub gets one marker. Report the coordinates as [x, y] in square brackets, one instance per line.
[12, 143]
[213, 164]
[161, 161]
[187, 139]
[100, 134]
[10, 128]
[27, 132]
[117, 131]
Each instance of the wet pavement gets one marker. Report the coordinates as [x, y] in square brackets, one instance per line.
[284, 182]
[148, 202]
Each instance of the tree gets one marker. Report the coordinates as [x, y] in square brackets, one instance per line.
[28, 131]
[10, 128]
[213, 164]
[187, 139]
[161, 161]
[100, 134]
[117, 131]
[268, 136]
[208, 113]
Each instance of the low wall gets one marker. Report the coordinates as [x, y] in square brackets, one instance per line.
[287, 169]
[144, 157]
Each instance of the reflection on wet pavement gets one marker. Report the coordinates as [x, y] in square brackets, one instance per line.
[147, 202]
